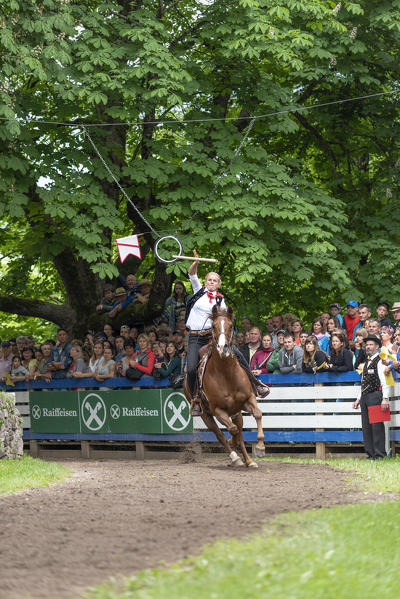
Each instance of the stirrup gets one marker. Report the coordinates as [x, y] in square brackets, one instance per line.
[195, 407]
[262, 390]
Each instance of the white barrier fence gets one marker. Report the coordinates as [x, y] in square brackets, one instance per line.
[320, 414]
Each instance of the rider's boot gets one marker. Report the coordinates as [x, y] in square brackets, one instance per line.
[195, 406]
[262, 390]
[259, 388]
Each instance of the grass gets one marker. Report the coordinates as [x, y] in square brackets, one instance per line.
[344, 552]
[371, 475]
[17, 475]
[338, 553]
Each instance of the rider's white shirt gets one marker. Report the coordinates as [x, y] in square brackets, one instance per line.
[199, 317]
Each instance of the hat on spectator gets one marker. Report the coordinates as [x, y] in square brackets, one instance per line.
[374, 338]
[335, 305]
[396, 306]
[281, 331]
[124, 326]
[6, 344]
[352, 303]
[120, 291]
[383, 304]
[145, 282]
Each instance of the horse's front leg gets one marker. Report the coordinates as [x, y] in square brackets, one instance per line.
[251, 406]
[214, 428]
[238, 420]
[224, 419]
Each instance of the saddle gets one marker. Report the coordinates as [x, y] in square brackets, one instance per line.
[204, 354]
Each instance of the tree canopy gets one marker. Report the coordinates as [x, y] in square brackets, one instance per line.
[306, 213]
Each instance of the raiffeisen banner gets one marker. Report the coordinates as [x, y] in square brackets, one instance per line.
[156, 411]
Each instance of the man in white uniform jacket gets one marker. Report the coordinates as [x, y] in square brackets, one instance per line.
[199, 323]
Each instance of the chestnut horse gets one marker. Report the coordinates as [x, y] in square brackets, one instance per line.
[228, 391]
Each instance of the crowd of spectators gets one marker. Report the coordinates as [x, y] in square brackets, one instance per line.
[333, 343]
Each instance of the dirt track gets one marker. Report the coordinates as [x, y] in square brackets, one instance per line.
[115, 517]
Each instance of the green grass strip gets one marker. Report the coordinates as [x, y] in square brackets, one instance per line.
[17, 475]
[369, 475]
[338, 553]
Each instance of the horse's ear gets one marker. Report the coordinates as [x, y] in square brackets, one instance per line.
[214, 311]
[230, 312]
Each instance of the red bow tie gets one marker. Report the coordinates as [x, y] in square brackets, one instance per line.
[211, 295]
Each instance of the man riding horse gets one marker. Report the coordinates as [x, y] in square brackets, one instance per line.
[199, 323]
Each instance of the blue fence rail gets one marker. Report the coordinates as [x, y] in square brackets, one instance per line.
[149, 381]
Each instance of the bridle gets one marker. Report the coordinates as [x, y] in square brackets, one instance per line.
[222, 339]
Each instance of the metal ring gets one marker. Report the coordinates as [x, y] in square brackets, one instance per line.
[162, 239]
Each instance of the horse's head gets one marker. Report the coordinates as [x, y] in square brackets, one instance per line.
[222, 330]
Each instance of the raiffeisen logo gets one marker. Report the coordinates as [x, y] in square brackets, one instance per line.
[138, 412]
[57, 412]
[94, 412]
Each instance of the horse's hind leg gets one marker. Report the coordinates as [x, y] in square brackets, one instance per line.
[251, 406]
[214, 428]
[238, 420]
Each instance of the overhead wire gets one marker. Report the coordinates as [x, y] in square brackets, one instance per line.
[78, 124]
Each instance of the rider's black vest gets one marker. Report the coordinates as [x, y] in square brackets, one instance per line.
[197, 296]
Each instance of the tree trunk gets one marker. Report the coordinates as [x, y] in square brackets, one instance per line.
[78, 314]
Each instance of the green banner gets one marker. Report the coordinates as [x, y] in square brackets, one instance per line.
[48, 412]
[156, 411]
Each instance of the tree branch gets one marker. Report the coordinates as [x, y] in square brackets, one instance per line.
[62, 315]
[322, 142]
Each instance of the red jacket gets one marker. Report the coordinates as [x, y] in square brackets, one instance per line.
[150, 362]
[350, 324]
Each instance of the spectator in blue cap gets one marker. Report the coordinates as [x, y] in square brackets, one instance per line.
[351, 319]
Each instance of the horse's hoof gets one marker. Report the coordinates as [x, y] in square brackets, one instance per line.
[253, 465]
[237, 463]
[259, 453]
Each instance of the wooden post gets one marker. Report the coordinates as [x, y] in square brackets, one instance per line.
[320, 448]
[34, 448]
[85, 450]
[139, 450]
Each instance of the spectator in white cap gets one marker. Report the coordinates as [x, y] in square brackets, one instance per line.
[395, 309]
